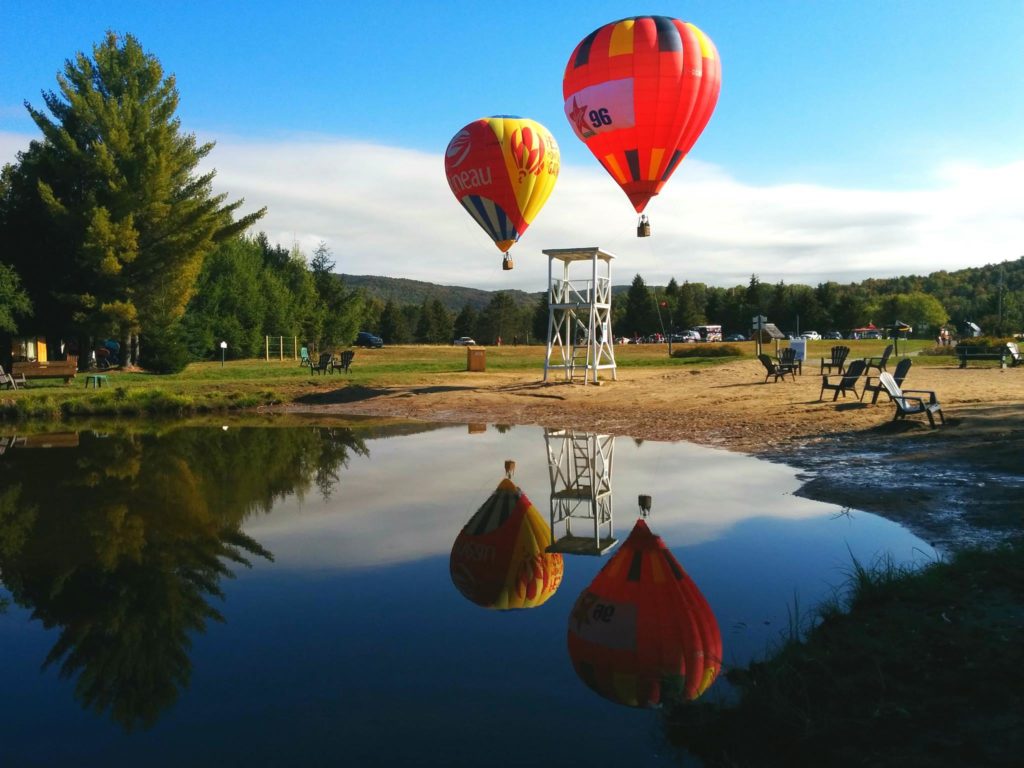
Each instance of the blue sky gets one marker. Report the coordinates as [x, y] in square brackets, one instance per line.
[851, 139]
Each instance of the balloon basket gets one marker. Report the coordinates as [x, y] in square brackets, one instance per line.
[507, 263]
[643, 227]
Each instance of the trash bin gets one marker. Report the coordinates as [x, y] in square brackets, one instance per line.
[800, 345]
[476, 359]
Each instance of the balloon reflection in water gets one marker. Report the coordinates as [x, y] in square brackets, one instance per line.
[642, 631]
[499, 559]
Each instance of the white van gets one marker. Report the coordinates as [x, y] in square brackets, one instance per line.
[709, 332]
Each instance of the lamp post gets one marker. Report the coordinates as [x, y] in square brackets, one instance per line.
[223, 346]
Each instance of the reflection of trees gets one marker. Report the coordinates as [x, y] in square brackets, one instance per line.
[125, 552]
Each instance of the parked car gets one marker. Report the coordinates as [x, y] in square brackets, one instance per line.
[833, 335]
[811, 335]
[464, 341]
[688, 337]
[735, 337]
[367, 339]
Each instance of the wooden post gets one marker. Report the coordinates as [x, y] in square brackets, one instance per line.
[266, 348]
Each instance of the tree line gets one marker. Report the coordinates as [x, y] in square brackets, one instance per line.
[991, 297]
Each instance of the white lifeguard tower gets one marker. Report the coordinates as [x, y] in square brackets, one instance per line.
[580, 468]
[580, 314]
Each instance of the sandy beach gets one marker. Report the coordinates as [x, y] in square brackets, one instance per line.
[960, 483]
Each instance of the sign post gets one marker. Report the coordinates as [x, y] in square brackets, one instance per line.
[758, 322]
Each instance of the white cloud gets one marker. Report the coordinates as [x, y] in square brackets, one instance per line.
[388, 211]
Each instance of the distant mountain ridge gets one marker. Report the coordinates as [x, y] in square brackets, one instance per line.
[970, 287]
[454, 297]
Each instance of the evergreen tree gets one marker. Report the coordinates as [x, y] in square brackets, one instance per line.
[393, 327]
[373, 308]
[441, 322]
[465, 322]
[541, 311]
[424, 324]
[499, 320]
[691, 306]
[340, 309]
[13, 300]
[640, 318]
[127, 218]
[239, 299]
[306, 308]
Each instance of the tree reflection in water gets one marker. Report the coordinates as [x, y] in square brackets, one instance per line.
[122, 542]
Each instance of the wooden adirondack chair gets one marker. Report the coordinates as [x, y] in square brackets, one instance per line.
[908, 402]
[788, 359]
[774, 369]
[846, 383]
[324, 364]
[877, 362]
[837, 361]
[344, 362]
[873, 385]
[1014, 352]
[10, 380]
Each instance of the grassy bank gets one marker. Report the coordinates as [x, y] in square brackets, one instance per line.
[246, 384]
[912, 669]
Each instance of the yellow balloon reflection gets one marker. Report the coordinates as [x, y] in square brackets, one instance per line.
[499, 560]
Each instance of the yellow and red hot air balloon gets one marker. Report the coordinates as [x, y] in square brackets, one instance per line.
[642, 630]
[499, 559]
[638, 92]
[502, 169]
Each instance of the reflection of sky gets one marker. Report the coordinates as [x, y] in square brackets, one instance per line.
[756, 551]
[410, 497]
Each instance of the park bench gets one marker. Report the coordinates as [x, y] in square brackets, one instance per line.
[51, 369]
[1004, 354]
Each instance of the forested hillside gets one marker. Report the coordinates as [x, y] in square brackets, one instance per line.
[452, 297]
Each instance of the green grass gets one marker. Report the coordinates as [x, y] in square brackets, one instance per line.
[238, 384]
[906, 668]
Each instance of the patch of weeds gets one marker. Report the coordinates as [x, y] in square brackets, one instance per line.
[902, 667]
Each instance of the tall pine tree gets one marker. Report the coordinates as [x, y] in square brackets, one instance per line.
[114, 183]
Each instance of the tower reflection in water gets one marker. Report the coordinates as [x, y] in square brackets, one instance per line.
[580, 470]
[499, 559]
[642, 633]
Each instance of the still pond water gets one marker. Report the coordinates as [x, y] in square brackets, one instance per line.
[269, 596]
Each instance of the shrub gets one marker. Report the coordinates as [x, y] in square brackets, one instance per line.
[707, 350]
[164, 350]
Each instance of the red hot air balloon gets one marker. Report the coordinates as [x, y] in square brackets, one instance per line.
[638, 92]
[499, 559]
[642, 629]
